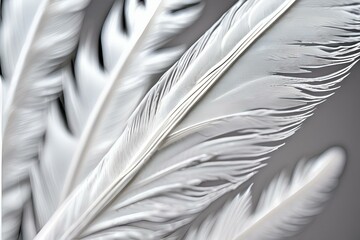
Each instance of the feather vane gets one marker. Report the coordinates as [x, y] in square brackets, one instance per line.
[284, 207]
[37, 37]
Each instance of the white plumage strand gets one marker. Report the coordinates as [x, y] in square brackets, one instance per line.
[81, 94]
[284, 207]
[252, 67]
[132, 57]
[36, 38]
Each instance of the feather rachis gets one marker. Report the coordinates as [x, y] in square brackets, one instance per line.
[122, 70]
[33, 81]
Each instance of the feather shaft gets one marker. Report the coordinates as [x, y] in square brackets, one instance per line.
[33, 82]
[100, 110]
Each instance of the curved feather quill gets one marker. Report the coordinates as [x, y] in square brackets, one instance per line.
[284, 207]
[252, 66]
[132, 41]
[37, 37]
[81, 94]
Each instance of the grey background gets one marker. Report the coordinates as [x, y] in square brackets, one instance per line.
[335, 122]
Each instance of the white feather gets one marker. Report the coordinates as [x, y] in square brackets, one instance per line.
[284, 207]
[103, 99]
[47, 177]
[36, 37]
[235, 95]
[81, 94]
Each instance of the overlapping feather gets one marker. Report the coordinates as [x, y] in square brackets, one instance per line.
[36, 38]
[284, 207]
[132, 40]
[120, 32]
[233, 97]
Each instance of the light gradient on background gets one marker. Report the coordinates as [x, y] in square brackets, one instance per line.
[335, 122]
